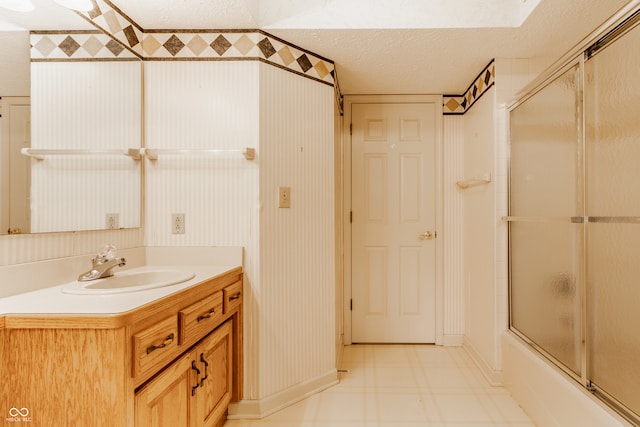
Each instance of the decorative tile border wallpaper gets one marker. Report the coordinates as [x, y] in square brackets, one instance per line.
[161, 45]
[76, 46]
[237, 45]
[108, 18]
[208, 44]
[459, 104]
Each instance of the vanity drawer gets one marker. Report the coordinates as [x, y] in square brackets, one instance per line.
[198, 319]
[232, 296]
[155, 346]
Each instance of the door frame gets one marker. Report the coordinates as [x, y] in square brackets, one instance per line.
[6, 104]
[349, 100]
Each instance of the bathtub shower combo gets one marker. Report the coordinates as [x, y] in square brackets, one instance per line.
[574, 218]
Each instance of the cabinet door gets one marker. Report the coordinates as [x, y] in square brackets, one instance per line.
[214, 354]
[167, 401]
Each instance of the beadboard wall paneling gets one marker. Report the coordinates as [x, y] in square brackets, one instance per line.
[297, 244]
[481, 336]
[454, 322]
[201, 105]
[85, 105]
[207, 105]
[230, 201]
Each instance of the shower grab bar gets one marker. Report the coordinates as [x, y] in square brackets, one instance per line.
[249, 153]
[576, 219]
[39, 153]
[485, 178]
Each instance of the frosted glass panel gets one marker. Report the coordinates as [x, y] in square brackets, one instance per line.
[614, 311]
[574, 220]
[612, 108]
[545, 300]
[545, 151]
[612, 98]
[545, 193]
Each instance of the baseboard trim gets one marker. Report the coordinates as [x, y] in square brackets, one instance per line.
[452, 340]
[493, 376]
[260, 408]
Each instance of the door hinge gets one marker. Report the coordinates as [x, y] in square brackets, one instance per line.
[351, 304]
[351, 216]
[350, 128]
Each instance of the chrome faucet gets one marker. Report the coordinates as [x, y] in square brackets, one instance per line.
[103, 265]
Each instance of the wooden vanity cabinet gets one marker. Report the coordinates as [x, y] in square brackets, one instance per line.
[193, 391]
[173, 362]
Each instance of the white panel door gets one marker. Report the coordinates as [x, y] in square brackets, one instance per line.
[393, 222]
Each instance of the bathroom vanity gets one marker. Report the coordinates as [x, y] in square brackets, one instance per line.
[170, 356]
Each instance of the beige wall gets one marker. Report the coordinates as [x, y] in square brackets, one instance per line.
[479, 232]
[229, 201]
[485, 244]
[14, 63]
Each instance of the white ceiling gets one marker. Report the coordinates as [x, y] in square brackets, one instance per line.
[378, 46]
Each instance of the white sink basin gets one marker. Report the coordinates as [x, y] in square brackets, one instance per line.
[129, 281]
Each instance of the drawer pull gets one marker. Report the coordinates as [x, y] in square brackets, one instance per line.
[206, 316]
[235, 296]
[166, 342]
[202, 359]
[195, 368]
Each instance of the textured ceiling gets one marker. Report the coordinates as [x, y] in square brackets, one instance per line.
[329, 14]
[375, 52]
[447, 60]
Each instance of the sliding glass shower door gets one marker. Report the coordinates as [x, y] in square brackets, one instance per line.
[612, 115]
[546, 196]
[574, 219]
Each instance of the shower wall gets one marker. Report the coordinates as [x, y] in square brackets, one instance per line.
[574, 220]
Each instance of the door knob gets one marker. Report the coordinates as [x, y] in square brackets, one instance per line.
[427, 235]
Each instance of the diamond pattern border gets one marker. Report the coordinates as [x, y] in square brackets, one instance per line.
[208, 44]
[211, 45]
[460, 104]
[240, 45]
[109, 18]
[76, 46]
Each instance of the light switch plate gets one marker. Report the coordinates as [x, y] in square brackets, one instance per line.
[285, 197]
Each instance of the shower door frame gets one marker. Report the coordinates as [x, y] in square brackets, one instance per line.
[622, 26]
[581, 282]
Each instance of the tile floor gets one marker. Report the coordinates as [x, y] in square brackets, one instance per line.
[403, 386]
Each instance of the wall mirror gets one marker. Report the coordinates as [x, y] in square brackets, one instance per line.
[71, 126]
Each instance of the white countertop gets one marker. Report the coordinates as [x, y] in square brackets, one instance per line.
[53, 301]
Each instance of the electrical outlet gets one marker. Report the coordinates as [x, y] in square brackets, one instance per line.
[112, 221]
[285, 197]
[177, 223]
